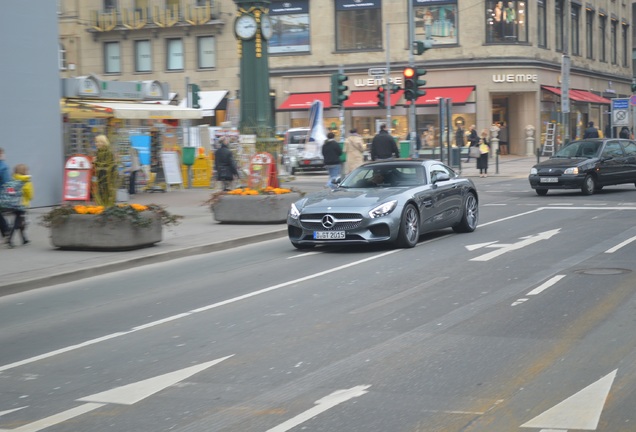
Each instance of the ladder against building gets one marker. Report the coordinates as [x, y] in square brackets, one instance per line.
[550, 136]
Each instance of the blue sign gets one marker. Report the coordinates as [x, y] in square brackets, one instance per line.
[620, 104]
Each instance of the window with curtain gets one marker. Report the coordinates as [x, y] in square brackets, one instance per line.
[358, 25]
[290, 25]
[602, 31]
[589, 33]
[558, 25]
[542, 34]
[437, 22]
[61, 57]
[506, 22]
[614, 39]
[575, 14]
[174, 54]
[143, 56]
[207, 52]
[112, 57]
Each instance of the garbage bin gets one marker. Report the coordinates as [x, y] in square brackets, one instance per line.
[187, 155]
[455, 156]
[405, 149]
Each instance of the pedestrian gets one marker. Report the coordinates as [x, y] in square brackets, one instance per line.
[591, 131]
[624, 133]
[224, 164]
[503, 138]
[383, 145]
[473, 140]
[21, 174]
[5, 176]
[354, 148]
[134, 168]
[331, 152]
[484, 153]
[460, 134]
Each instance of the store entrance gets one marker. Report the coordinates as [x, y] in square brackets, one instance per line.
[500, 118]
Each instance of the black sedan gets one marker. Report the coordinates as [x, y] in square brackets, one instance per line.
[386, 202]
[588, 164]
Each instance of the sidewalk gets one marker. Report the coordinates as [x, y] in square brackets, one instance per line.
[39, 264]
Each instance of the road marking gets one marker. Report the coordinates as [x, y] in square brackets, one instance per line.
[303, 255]
[547, 284]
[580, 411]
[11, 410]
[526, 241]
[322, 405]
[192, 312]
[124, 395]
[620, 245]
[479, 245]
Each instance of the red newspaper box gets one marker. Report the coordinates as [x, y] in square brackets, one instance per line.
[77, 178]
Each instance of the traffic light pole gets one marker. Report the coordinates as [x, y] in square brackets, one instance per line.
[412, 128]
[387, 91]
[341, 111]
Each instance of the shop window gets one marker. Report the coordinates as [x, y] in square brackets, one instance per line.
[602, 24]
[506, 22]
[207, 52]
[559, 28]
[436, 22]
[542, 34]
[290, 24]
[61, 57]
[112, 58]
[358, 25]
[589, 33]
[575, 14]
[143, 56]
[174, 55]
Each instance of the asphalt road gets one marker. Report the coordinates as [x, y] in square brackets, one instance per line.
[527, 324]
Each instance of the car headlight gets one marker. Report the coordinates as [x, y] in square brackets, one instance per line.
[293, 211]
[573, 170]
[533, 171]
[383, 209]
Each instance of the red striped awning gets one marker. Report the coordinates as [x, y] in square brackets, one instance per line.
[580, 95]
[303, 101]
[458, 95]
[368, 99]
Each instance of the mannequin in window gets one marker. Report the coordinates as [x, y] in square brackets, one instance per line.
[498, 14]
[510, 18]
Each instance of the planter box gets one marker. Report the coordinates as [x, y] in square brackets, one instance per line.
[86, 232]
[253, 208]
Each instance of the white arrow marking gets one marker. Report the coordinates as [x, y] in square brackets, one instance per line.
[133, 393]
[322, 405]
[125, 395]
[478, 245]
[580, 411]
[11, 410]
[520, 244]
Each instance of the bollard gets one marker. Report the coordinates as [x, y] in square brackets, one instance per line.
[538, 155]
[497, 160]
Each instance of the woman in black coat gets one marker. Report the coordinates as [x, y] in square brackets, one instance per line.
[224, 165]
[484, 150]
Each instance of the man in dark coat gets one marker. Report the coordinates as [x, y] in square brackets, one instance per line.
[383, 145]
[331, 152]
[591, 131]
[224, 165]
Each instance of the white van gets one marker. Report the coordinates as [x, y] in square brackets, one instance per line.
[297, 156]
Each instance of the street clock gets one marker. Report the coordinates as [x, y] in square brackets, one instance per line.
[245, 27]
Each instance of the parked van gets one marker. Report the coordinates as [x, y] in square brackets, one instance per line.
[300, 156]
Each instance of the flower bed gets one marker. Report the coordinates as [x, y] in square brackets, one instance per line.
[245, 205]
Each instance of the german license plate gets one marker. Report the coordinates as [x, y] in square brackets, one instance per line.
[329, 235]
[549, 180]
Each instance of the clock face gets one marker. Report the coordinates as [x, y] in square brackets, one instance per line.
[245, 26]
[266, 26]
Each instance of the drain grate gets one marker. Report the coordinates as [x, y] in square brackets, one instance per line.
[603, 271]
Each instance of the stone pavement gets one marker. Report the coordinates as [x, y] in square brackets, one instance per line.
[38, 264]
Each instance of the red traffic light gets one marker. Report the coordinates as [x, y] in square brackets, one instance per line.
[409, 72]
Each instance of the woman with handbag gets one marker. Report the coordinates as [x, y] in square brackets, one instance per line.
[473, 139]
[484, 153]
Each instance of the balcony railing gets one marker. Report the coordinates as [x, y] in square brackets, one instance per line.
[158, 17]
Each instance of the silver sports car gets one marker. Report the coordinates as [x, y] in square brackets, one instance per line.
[390, 201]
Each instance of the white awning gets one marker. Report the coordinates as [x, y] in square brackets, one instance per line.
[208, 101]
[168, 101]
[149, 111]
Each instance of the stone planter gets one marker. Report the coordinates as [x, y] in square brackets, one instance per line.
[253, 208]
[86, 232]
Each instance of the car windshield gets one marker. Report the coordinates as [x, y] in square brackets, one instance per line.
[393, 175]
[579, 149]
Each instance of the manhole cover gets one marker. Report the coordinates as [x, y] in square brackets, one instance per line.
[603, 271]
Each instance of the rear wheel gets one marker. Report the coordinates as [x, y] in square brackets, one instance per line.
[589, 185]
[409, 232]
[470, 216]
[541, 192]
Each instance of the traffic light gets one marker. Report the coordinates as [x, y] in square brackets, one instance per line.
[338, 88]
[634, 87]
[194, 95]
[419, 47]
[381, 97]
[412, 83]
[394, 88]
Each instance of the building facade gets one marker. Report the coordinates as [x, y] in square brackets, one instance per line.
[496, 61]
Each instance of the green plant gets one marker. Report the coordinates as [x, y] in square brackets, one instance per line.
[137, 214]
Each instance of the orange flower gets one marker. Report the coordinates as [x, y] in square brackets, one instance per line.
[139, 207]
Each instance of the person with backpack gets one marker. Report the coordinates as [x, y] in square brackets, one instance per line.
[5, 176]
[22, 193]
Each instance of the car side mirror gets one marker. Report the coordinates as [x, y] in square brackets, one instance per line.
[441, 177]
[336, 180]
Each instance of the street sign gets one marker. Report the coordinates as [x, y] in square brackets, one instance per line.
[620, 112]
[632, 100]
[377, 71]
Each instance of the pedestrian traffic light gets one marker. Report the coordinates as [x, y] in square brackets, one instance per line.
[194, 95]
[381, 97]
[634, 87]
[338, 88]
[394, 88]
[419, 47]
[412, 83]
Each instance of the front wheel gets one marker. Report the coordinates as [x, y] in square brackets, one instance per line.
[470, 215]
[409, 232]
[589, 185]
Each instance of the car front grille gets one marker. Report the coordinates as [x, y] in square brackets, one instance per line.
[551, 171]
[341, 221]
